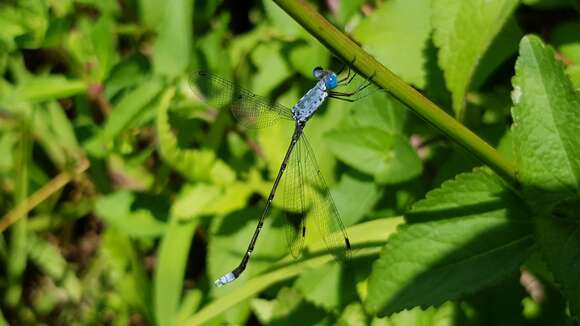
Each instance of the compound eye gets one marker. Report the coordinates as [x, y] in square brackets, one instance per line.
[331, 81]
[318, 72]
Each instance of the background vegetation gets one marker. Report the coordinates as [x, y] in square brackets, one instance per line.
[124, 195]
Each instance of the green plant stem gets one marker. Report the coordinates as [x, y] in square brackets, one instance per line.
[26, 205]
[364, 63]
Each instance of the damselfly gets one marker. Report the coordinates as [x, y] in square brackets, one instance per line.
[299, 171]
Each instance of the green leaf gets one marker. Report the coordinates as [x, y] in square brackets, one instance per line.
[125, 271]
[191, 301]
[447, 314]
[130, 107]
[204, 199]
[27, 22]
[45, 88]
[379, 110]
[560, 243]
[465, 236]
[151, 12]
[396, 34]
[116, 210]
[355, 196]
[548, 3]
[195, 165]
[281, 21]
[272, 68]
[323, 288]
[172, 48]
[289, 308]
[546, 123]
[104, 41]
[213, 55]
[353, 314]
[168, 278]
[386, 156]
[46, 257]
[309, 48]
[464, 30]
[503, 47]
[348, 9]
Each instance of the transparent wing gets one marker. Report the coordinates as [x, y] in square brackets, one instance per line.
[291, 197]
[251, 110]
[323, 210]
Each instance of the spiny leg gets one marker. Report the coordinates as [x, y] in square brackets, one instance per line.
[342, 98]
[347, 78]
[361, 87]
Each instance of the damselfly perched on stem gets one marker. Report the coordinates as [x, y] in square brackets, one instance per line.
[299, 170]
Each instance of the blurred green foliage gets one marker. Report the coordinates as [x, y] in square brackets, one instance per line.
[175, 187]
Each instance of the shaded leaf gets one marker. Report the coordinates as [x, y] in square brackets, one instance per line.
[560, 243]
[465, 236]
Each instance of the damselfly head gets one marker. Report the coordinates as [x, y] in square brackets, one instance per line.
[318, 72]
[329, 77]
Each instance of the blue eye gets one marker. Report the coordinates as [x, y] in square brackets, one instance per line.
[331, 81]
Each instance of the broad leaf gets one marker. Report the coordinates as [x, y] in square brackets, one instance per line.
[386, 156]
[465, 236]
[546, 123]
[546, 129]
[396, 34]
[464, 30]
[326, 287]
[355, 196]
[115, 209]
[378, 110]
[447, 314]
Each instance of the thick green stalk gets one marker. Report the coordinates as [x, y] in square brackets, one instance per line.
[349, 51]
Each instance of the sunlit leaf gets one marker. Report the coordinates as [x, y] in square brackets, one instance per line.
[172, 259]
[116, 210]
[172, 47]
[396, 34]
[464, 30]
[386, 156]
[546, 123]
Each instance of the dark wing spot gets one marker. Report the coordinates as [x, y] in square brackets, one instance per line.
[295, 219]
